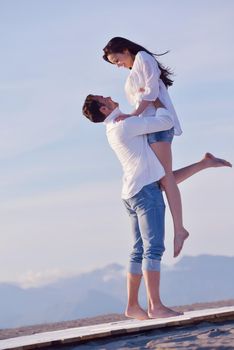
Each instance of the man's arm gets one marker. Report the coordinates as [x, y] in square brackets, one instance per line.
[145, 125]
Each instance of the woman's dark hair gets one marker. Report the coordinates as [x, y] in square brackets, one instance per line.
[91, 110]
[118, 45]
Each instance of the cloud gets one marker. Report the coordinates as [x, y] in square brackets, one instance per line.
[201, 49]
[32, 279]
[36, 118]
[45, 145]
[73, 229]
[86, 226]
[42, 105]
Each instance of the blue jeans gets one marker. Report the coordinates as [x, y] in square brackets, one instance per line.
[147, 212]
[161, 136]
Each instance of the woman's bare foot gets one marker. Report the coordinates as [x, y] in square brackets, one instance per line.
[179, 238]
[211, 161]
[162, 311]
[136, 312]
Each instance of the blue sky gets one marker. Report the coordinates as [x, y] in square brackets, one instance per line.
[60, 182]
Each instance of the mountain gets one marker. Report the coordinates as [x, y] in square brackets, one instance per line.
[202, 278]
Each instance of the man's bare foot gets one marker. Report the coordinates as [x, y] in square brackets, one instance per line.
[179, 238]
[136, 312]
[211, 161]
[162, 311]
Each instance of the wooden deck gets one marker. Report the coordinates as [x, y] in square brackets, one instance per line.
[81, 334]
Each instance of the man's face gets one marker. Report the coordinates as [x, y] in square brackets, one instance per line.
[107, 102]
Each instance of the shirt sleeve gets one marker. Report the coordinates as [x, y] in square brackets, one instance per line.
[151, 75]
[135, 126]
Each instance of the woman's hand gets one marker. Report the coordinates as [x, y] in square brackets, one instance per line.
[122, 117]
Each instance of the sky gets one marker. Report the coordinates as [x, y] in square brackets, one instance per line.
[61, 212]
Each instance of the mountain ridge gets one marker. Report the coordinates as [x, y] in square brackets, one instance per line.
[203, 278]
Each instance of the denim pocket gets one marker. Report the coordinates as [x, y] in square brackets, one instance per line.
[153, 195]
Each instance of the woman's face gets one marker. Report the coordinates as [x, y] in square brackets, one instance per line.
[124, 59]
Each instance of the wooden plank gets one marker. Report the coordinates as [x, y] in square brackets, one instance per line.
[75, 335]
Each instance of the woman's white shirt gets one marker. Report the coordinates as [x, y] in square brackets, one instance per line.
[145, 74]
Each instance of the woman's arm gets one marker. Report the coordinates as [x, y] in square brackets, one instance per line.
[157, 104]
[148, 69]
[144, 104]
[150, 72]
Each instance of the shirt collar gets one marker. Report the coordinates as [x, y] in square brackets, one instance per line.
[114, 114]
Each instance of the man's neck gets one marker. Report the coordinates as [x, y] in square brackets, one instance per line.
[114, 114]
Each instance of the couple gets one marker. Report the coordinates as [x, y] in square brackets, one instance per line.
[142, 142]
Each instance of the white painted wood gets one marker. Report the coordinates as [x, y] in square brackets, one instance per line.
[107, 329]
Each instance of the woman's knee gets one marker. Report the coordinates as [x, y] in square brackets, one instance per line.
[168, 178]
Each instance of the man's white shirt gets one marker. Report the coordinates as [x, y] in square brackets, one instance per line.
[129, 141]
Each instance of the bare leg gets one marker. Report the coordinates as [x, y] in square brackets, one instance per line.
[208, 161]
[155, 308]
[168, 182]
[133, 309]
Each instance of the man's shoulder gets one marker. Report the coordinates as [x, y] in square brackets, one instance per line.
[122, 130]
[115, 128]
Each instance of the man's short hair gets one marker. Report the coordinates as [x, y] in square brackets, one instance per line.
[91, 110]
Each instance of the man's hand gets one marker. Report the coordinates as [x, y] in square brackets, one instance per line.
[158, 104]
[122, 117]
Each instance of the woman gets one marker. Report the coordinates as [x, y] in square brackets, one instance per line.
[146, 85]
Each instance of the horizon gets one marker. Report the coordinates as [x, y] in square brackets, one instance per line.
[38, 280]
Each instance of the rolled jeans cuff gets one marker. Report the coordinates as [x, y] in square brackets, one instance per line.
[135, 268]
[151, 265]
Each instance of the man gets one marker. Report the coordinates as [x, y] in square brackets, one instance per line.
[142, 195]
